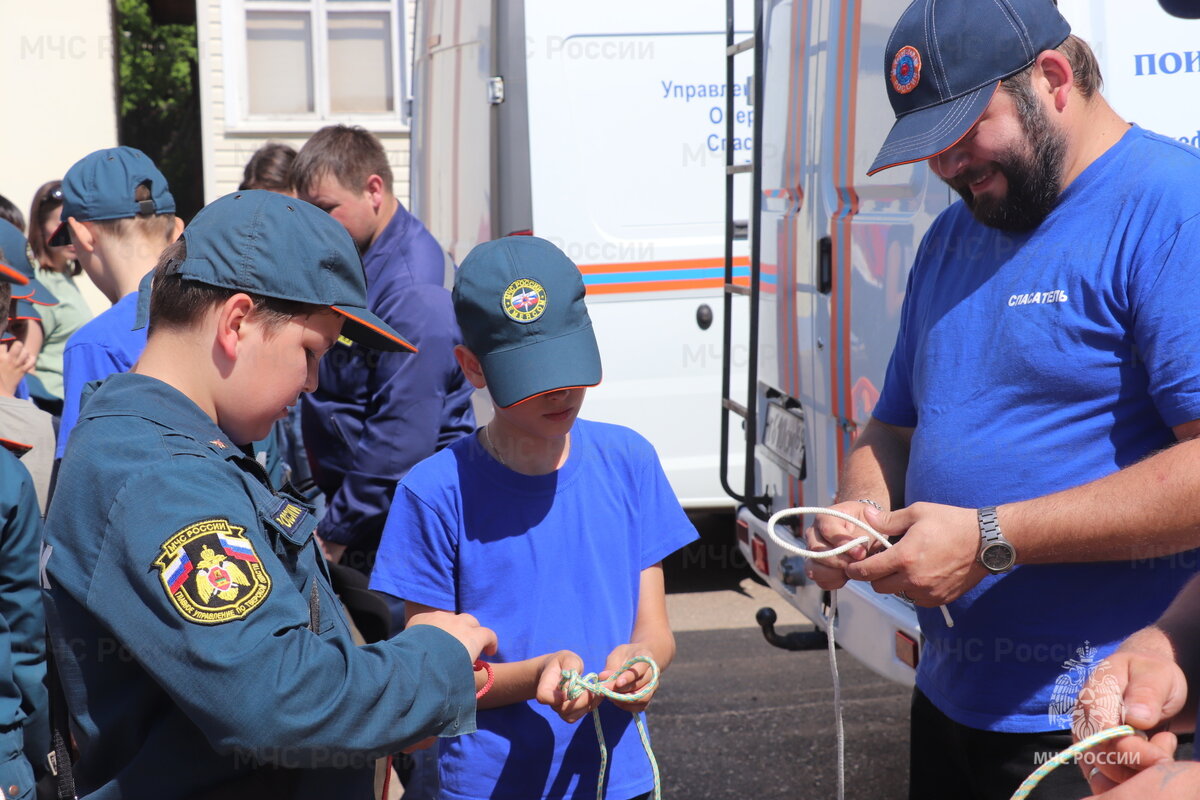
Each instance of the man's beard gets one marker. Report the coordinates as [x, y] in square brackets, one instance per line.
[1034, 177]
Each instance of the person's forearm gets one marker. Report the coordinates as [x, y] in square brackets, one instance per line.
[515, 682]
[1146, 510]
[876, 467]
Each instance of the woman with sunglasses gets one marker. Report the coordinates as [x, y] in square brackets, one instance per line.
[56, 268]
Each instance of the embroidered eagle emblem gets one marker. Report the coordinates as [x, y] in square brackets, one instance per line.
[212, 573]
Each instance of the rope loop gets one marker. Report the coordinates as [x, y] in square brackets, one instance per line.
[817, 555]
[573, 684]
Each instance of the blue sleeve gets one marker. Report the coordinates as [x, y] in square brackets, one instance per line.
[21, 605]
[279, 682]
[896, 405]
[82, 362]
[1164, 294]
[417, 554]
[401, 426]
[666, 527]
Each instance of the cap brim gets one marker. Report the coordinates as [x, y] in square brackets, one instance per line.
[565, 362]
[928, 132]
[369, 330]
[11, 275]
[1185, 9]
[25, 310]
[61, 236]
[36, 293]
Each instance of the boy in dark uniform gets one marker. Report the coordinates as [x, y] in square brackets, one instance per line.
[206, 653]
[24, 721]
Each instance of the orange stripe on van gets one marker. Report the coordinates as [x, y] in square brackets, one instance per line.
[662, 286]
[639, 266]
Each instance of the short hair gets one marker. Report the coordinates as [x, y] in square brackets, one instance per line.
[269, 168]
[177, 302]
[12, 214]
[1079, 55]
[152, 226]
[350, 154]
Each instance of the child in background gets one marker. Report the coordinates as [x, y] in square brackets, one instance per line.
[547, 528]
[24, 706]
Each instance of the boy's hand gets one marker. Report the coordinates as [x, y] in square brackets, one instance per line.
[549, 693]
[15, 363]
[630, 680]
[464, 627]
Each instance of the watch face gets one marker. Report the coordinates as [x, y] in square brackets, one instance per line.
[997, 556]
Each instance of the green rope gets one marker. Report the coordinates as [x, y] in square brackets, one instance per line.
[1066, 755]
[574, 685]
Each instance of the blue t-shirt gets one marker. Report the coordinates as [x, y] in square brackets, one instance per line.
[550, 562]
[104, 346]
[1033, 363]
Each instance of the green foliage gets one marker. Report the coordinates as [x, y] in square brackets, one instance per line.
[158, 98]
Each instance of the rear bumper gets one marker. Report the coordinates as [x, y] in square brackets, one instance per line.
[879, 630]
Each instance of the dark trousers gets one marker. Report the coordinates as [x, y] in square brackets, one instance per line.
[952, 761]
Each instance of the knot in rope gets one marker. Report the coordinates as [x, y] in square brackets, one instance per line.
[573, 684]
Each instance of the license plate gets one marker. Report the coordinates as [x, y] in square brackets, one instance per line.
[783, 436]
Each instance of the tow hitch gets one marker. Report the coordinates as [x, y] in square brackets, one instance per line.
[796, 640]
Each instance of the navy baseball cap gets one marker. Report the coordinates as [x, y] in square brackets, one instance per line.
[519, 303]
[944, 62]
[265, 243]
[19, 257]
[101, 185]
[1187, 9]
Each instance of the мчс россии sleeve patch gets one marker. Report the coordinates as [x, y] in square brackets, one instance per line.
[211, 572]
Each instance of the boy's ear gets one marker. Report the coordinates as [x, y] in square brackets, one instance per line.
[81, 234]
[178, 230]
[470, 366]
[231, 318]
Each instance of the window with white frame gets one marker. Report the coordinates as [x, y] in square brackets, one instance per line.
[293, 63]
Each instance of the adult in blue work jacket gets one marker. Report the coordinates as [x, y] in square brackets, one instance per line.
[375, 415]
[202, 650]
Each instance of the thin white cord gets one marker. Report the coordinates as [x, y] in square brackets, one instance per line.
[837, 551]
[829, 627]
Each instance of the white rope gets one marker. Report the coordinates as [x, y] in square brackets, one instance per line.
[837, 551]
[818, 555]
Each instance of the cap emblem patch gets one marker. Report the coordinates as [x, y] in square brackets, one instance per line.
[524, 300]
[906, 70]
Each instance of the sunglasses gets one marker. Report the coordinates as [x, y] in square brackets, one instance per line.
[55, 195]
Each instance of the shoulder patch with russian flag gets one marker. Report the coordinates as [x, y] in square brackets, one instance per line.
[211, 572]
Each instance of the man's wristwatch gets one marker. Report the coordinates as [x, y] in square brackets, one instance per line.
[995, 552]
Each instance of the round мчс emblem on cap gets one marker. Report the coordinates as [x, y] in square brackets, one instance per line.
[906, 69]
[524, 300]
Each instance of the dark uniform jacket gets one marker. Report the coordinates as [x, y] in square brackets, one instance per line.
[200, 645]
[24, 707]
[375, 414]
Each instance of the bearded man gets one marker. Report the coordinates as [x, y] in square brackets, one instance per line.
[1034, 441]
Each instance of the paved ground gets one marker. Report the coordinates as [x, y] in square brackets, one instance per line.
[738, 718]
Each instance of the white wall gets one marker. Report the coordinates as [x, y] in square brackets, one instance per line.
[226, 152]
[58, 92]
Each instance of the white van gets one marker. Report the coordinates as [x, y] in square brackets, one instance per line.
[833, 249]
[598, 126]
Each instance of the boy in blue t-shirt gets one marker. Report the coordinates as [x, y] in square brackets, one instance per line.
[549, 529]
